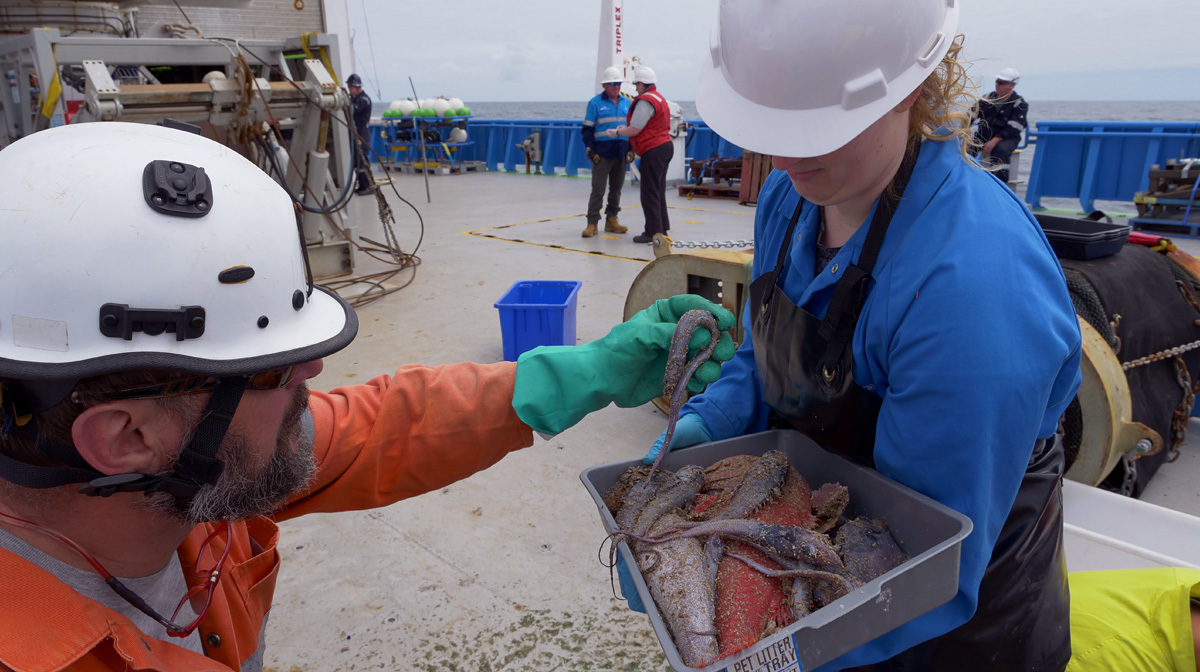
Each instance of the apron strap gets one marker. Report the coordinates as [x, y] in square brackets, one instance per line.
[851, 291]
[783, 253]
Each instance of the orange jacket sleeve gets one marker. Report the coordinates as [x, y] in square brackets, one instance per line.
[403, 435]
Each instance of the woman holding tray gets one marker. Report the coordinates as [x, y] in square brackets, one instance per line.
[906, 312]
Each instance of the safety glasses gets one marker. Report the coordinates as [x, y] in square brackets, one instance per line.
[179, 387]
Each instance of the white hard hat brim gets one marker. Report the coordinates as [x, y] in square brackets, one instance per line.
[329, 325]
[779, 132]
[805, 133]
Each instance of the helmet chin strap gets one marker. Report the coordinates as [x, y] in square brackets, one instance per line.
[198, 463]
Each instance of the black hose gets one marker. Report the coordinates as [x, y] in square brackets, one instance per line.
[339, 203]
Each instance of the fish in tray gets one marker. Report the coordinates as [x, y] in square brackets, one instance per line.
[733, 553]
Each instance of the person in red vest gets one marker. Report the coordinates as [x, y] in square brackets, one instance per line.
[648, 130]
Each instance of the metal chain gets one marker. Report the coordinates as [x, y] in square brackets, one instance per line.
[1183, 412]
[1161, 355]
[711, 243]
[1130, 479]
[1187, 294]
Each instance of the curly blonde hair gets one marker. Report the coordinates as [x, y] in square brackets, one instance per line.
[944, 108]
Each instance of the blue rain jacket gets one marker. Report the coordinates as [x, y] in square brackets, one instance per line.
[603, 114]
[968, 335]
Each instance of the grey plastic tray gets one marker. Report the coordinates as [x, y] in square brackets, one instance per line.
[929, 532]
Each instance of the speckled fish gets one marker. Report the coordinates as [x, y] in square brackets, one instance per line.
[867, 549]
[681, 578]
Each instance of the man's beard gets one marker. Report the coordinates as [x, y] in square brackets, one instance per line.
[245, 491]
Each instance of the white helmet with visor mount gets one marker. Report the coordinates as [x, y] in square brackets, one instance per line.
[135, 247]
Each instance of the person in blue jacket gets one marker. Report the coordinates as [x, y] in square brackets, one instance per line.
[906, 309]
[609, 156]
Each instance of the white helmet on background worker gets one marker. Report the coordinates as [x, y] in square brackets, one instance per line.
[644, 75]
[1008, 75]
[612, 75]
[132, 246]
[802, 79]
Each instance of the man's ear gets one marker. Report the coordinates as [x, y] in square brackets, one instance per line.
[123, 437]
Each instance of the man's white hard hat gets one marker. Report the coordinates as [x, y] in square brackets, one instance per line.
[802, 78]
[644, 75]
[612, 75]
[105, 222]
[1008, 75]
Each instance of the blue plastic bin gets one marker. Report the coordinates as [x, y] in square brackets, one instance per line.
[537, 312]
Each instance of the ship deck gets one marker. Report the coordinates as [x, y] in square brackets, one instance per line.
[500, 571]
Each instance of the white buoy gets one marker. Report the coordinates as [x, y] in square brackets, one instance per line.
[455, 103]
[458, 135]
[394, 105]
[407, 106]
[440, 106]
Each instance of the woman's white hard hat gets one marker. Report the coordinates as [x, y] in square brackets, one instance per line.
[801, 78]
[644, 75]
[612, 75]
[114, 217]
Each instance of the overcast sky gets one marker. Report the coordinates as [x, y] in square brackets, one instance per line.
[534, 50]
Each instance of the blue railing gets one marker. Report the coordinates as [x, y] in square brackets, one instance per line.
[1108, 160]
[495, 143]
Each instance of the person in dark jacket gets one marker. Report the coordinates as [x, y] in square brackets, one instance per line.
[360, 106]
[1001, 116]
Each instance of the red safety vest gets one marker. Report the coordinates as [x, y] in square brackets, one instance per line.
[657, 131]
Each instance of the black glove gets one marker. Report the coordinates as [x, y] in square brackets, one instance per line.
[593, 156]
[629, 157]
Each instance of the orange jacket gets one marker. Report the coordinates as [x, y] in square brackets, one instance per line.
[378, 443]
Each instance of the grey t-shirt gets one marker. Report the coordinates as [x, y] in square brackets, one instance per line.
[162, 590]
[643, 110]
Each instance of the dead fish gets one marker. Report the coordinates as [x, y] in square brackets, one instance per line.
[638, 496]
[682, 578]
[679, 368]
[795, 543]
[806, 598]
[867, 548]
[829, 502]
[762, 482]
[670, 496]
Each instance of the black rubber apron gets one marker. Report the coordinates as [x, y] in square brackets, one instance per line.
[806, 366]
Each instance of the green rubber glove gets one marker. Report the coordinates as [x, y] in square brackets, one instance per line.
[559, 384]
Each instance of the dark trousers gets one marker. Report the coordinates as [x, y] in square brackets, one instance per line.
[654, 187]
[610, 172]
[1001, 156]
[362, 169]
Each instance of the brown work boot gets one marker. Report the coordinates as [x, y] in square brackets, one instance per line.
[590, 230]
[612, 226]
